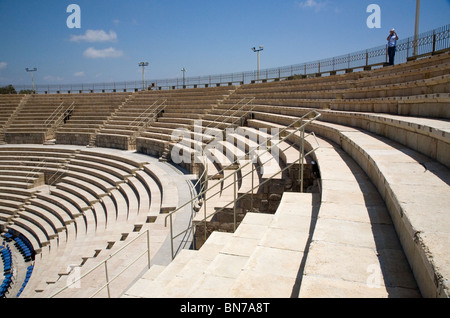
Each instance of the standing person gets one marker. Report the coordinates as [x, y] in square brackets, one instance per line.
[392, 45]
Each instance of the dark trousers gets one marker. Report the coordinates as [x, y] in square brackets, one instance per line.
[391, 53]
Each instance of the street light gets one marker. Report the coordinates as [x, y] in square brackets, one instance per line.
[143, 64]
[184, 76]
[416, 33]
[32, 80]
[257, 51]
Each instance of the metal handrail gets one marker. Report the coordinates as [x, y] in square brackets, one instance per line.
[240, 109]
[292, 129]
[58, 115]
[64, 114]
[251, 191]
[104, 262]
[260, 184]
[144, 115]
[145, 121]
[53, 115]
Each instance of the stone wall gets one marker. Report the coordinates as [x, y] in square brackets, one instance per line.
[113, 141]
[25, 137]
[73, 138]
[152, 147]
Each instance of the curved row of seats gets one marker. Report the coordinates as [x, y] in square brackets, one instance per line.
[367, 114]
[7, 274]
[405, 157]
[400, 165]
[312, 238]
[27, 278]
[138, 115]
[88, 204]
[36, 117]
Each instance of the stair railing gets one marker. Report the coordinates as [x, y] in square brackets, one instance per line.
[232, 111]
[58, 116]
[147, 115]
[295, 128]
[53, 116]
[145, 119]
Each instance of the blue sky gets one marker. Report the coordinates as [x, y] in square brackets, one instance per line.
[206, 37]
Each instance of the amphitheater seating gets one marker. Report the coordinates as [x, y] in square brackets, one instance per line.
[424, 135]
[384, 175]
[124, 125]
[261, 259]
[8, 106]
[90, 113]
[173, 109]
[89, 203]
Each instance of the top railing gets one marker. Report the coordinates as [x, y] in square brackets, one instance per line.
[427, 43]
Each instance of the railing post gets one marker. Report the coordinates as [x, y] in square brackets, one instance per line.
[235, 202]
[387, 53]
[148, 248]
[407, 50]
[171, 237]
[251, 203]
[434, 41]
[302, 153]
[206, 187]
[107, 279]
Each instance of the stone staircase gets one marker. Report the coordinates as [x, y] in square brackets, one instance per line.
[253, 256]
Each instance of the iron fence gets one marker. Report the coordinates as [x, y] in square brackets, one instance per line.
[427, 43]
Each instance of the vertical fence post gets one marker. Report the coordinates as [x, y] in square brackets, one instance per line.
[386, 53]
[434, 42]
[407, 50]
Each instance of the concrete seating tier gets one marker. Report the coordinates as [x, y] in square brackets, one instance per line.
[421, 89]
[100, 199]
[429, 136]
[384, 161]
[429, 105]
[392, 237]
[42, 114]
[8, 106]
[88, 117]
[398, 74]
[383, 165]
[264, 257]
[126, 124]
[433, 85]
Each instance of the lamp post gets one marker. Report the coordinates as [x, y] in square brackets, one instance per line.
[416, 32]
[143, 65]
[254, 49]
[184, 77]
[31, 70]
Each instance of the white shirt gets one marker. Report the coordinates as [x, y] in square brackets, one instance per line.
[392, 40]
